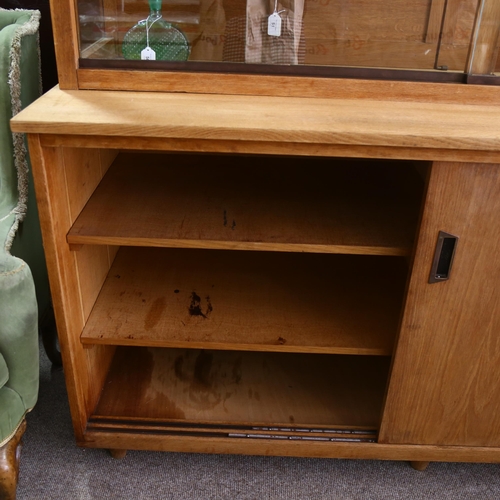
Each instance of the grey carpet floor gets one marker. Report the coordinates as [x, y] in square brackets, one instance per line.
[53, 467]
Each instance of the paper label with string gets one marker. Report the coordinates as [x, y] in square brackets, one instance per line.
[148, 54]
[274, 24]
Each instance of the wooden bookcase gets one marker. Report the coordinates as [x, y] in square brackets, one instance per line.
[237, 274]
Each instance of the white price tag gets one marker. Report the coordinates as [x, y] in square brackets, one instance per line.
[148, 54]
[274, 25]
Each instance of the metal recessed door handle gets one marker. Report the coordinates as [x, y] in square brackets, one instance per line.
[443, 257]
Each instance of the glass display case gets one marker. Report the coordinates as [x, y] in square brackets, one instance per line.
[421, 40]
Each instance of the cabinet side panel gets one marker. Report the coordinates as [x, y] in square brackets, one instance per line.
[83, 173]
[444, 387]
[84, 169]
[107, 157]
[52, 198]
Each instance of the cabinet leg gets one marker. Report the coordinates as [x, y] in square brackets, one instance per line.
[10, 454]
[419, 465]
[118, 454]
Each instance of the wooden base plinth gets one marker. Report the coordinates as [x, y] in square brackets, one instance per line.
[10, 455]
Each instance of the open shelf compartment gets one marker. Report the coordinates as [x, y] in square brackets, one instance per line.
[264, 301]
[254, 203]
[253, 394]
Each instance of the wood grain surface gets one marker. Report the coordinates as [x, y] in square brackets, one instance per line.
[287, 86]
[353, 122]
[290, 448]
[249, 300]
[64, 25]
[445, 387]
[254, 203]
[247, 388]
[269, 148]
[64, 180]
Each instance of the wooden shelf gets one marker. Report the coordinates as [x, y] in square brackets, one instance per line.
[266, 301]
[245, 388]
[253, 203]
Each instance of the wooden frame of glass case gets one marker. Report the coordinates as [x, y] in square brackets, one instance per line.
[467, 52]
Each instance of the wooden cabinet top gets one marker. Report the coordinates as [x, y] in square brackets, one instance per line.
[430, 128]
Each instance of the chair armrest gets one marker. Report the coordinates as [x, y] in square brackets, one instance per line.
[19, 327]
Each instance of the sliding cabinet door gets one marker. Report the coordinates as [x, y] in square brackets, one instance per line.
[445, 382]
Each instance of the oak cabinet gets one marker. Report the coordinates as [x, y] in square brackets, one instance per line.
[230, 275]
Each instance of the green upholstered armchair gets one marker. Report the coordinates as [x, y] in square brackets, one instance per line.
[19, 85]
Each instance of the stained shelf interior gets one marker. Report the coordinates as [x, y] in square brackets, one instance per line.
[268, 301]
[246, 388]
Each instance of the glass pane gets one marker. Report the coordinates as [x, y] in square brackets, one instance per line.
[397, 34]
[486, 39]
[456, 34]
